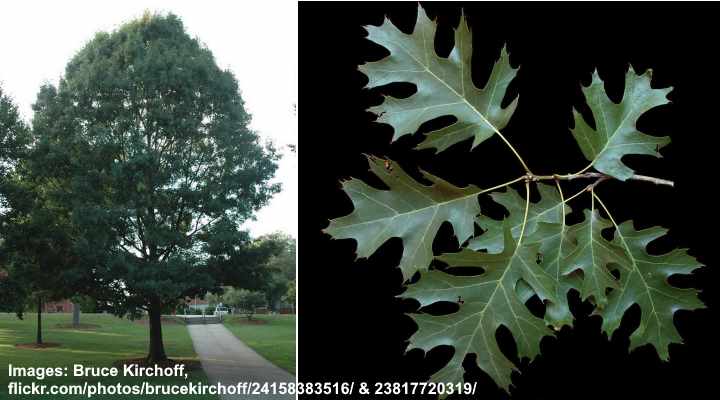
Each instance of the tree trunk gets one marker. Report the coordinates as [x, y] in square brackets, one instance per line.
[38, 340]
[156, 353]
[76, 315]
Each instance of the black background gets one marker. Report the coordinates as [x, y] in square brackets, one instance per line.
[351, 326]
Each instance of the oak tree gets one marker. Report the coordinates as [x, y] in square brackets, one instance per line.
[159, 167]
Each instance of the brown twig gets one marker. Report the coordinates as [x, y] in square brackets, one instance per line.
[591, 175]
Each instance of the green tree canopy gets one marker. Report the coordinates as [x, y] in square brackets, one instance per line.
[290, 296]
[36, 246]
[13, 140]
[161, 168]
[246, 301]
[280, 268]
[14, 135]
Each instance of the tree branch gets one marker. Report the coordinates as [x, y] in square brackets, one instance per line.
[590, 175]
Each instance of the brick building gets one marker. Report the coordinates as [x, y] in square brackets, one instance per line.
[62, 306]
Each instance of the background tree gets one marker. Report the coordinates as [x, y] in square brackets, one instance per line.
[161, 166]
[13, 296]
[87, 304]
[29, 273]
[291, 295]
[82, 303]
[213, 300]
[37, 227]
[37, 246]
[275, 287]
[245, 301]
[14, 141]
[14, 138]
[281, 268]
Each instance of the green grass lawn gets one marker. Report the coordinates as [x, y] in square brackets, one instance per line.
[274, 340]
[115, 339]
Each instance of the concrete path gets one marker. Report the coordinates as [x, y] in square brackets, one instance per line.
[227, 360]
[199, 319]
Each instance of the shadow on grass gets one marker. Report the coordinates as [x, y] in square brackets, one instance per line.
[36, 346]
[77, 327]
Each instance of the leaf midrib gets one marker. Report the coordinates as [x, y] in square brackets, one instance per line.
[616, 130]
[636, 270]
[402, 214]
[461, 97]
[534, 218]
[484, 309]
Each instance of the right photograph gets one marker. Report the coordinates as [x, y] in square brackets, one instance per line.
[508, 200]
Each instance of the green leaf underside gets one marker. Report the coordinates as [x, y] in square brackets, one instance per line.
[595, 256]
[552, 258]
[616, 134]
[544, 226]
[444, 85]
[555, 244]
[548, 209]
[497, 296]
[645, 283]
[409, 210]
[513, 275]
[489, 300]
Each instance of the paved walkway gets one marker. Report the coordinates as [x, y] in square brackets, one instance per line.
[227, 360]
[199, 319]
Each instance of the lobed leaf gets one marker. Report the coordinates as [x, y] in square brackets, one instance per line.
[409, 210]
[594, 255]
[615, 134]
[552, 258]
[555, 244]
[488, 301]
[644, 282]
[444, 85]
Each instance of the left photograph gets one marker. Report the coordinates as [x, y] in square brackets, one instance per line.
[148, 200]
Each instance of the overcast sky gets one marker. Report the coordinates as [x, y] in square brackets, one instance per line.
[257, 40]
